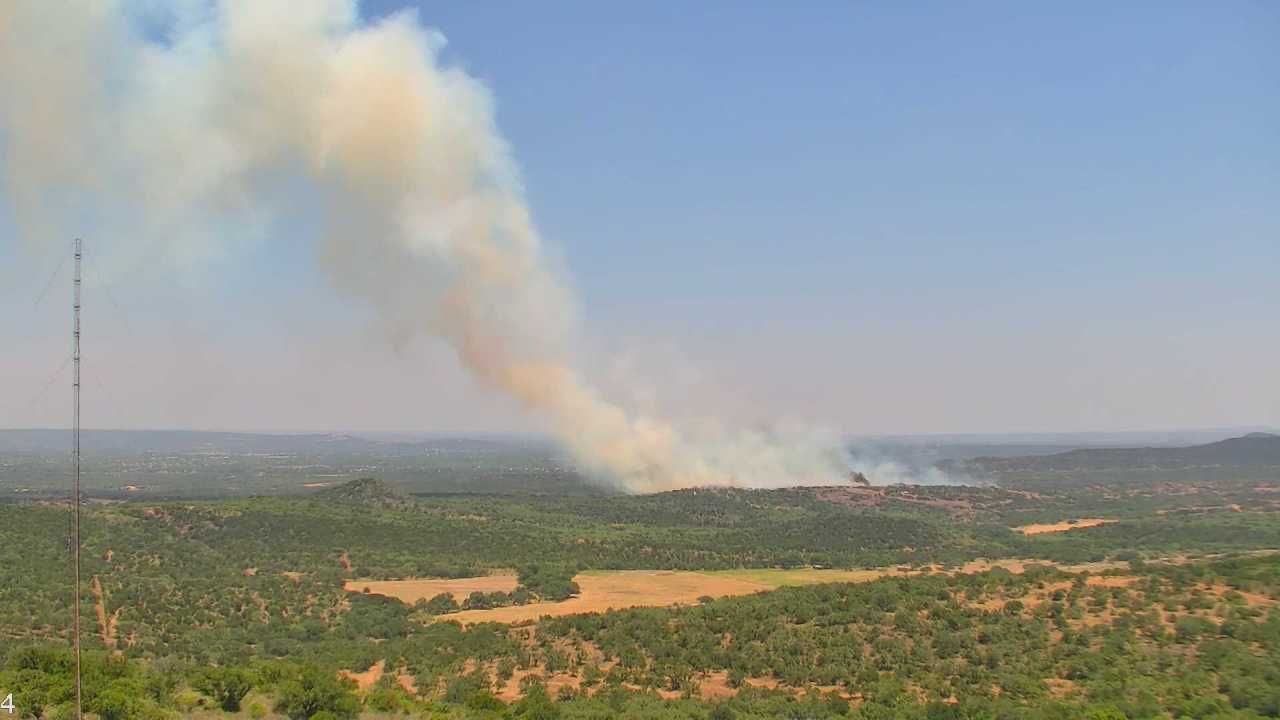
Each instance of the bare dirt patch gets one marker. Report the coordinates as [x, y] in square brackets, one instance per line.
[411, 591]
[1111, 581]
[367, 679]
[716, 686]
[510, 690]
[264, 616]
[106, 623]
[1060, 688]
[1064, 526]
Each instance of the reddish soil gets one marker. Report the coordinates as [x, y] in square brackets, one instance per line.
[106, 623]
[367, 679]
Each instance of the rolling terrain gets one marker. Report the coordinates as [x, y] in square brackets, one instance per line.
[1070, 599]
[1234, 461]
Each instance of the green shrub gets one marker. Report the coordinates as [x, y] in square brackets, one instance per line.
[227, 686]
[314, 691]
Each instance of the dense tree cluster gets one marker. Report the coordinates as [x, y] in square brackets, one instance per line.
[226, 580]
[549, 582]
[1196, 640]
[1162, 643]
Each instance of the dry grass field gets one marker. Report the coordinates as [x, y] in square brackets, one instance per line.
[1064, 526]
[621, 589]
[612, 590]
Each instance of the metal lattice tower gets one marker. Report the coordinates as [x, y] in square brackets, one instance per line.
[75, 491]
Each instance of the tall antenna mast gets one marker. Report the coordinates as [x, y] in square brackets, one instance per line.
[75, 493]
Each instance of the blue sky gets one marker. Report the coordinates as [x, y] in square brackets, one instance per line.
[864, 159]
[885, 217]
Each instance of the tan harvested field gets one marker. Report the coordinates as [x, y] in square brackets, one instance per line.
[411, 591]
[620, 589]
[1064, 526]
[1013, 565]
[770, 578]
[1018, 566]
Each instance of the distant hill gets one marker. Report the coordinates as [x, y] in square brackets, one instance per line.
[1251, 449]
[1250, 456]
[185, 442]
[366, 491]
[132, 464]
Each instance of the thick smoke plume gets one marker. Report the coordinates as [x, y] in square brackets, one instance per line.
[180, 132]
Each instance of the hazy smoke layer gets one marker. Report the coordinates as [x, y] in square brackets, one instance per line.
[178, 132]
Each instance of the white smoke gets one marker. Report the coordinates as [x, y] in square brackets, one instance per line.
[185, 145]
[900, 464]
[892, 472]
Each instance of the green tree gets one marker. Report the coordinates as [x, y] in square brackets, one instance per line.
[120, 700]
[227, 686]
[536, 704]
[442, 604]
[313, 691]
[723, 712]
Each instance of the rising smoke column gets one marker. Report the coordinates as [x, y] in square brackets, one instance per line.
[178, 144]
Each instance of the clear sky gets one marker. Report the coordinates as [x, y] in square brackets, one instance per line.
[880, 217]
